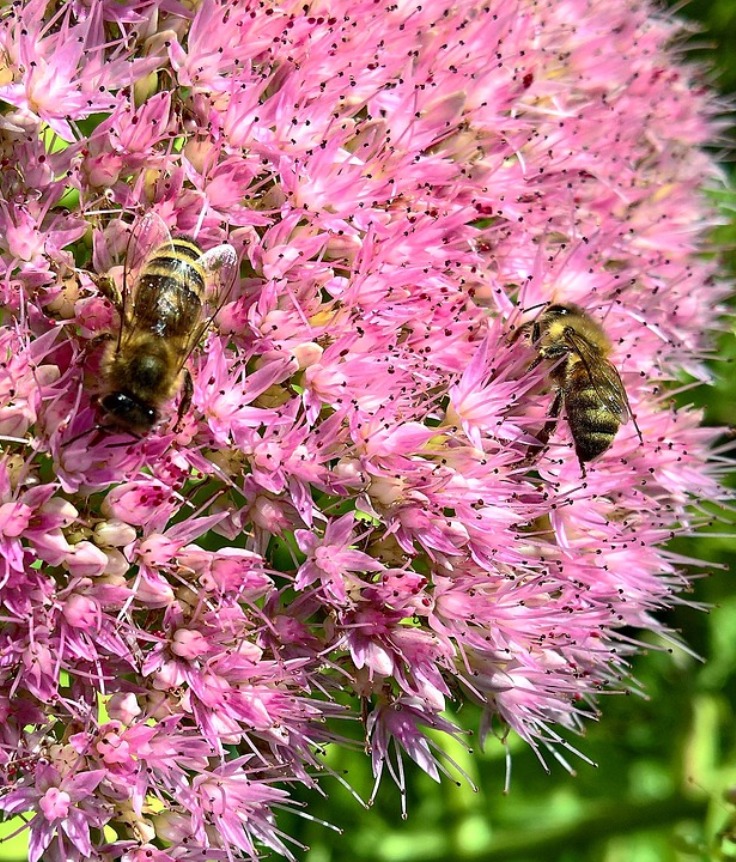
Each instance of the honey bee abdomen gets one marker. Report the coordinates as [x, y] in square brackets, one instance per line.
[165, 305]
[592, 423]
[589, 445]
[177, 261]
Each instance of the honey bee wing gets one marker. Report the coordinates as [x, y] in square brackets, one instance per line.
[146, 236]
[150, 233]
[615, 381]
[602, 374]
[220, 265]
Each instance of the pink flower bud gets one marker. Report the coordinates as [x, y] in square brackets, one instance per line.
[172, 827]
[61, 512]
[86, 560]
[156, 549]
[14, 518]
[140, 502]
[81, 612]
[103, 170]
[308, 353]
[51, 547]
[94, 315]
[55, 804]
[117, 564]
[123, 707]
[200, 153]
[114, 534]
[23, 239]
[189, 644]
[270, 515]
[153, 590]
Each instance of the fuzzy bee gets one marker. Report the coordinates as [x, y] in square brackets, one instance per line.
[161, 311]
[588, 385]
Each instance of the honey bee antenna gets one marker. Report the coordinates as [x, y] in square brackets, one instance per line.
[101, 431]
[92, 430]
[534, 307]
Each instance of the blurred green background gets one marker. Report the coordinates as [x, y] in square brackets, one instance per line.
[664, 785]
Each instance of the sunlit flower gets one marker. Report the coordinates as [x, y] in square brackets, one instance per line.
[353, 519]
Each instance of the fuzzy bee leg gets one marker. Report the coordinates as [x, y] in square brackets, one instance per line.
[185, 402]
[546, 432]
[97, 340]
[538, 359]
[551, 423]
[107, 288]
[93, 344]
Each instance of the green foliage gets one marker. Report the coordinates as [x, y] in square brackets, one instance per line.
[713, 38]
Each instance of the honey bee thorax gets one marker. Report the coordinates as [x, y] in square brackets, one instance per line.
[145, 368]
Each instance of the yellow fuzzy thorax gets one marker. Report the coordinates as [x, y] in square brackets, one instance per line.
[583, 326]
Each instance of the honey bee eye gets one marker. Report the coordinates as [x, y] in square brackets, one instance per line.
[558, 309]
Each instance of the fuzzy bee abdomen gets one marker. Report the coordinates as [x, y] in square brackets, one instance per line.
[593, 424]
[165, 305]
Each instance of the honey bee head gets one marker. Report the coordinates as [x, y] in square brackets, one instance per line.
[137, 380]
[128, 412]
[556, 319]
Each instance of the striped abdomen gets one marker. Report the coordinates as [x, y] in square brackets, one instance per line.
[593, 423]
[169, 290]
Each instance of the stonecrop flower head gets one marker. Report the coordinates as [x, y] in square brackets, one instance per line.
[353, 517]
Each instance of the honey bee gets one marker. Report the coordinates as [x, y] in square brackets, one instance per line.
[588, 385]
[161, 310]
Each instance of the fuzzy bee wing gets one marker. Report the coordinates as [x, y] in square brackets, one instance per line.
[220, 265]
[602, 374]
[150, 233]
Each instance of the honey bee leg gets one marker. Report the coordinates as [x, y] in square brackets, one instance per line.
[97, 340]
[554, 354]
[107, 288]
[99, 432]
[638, 430]
[185, 402]
[546, 432]
[538, 359]
[550, 425]
[93, 343]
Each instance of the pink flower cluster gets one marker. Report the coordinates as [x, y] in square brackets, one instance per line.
[348, 513]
